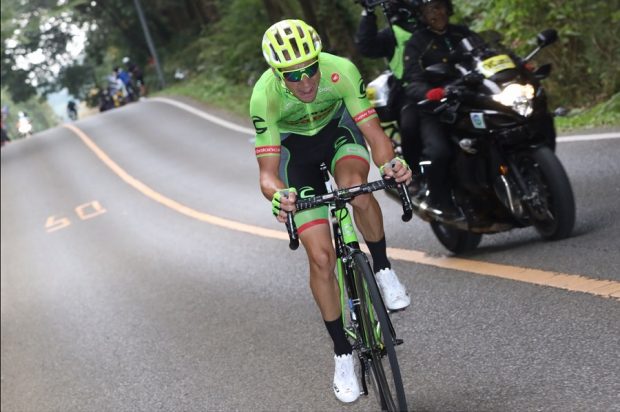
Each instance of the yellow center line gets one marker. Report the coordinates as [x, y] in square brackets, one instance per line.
[575, 283]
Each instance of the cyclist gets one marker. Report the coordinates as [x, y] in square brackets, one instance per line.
[311, 107]
[389, 43]
[72, 110]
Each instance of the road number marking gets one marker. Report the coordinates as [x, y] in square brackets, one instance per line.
[95, 210]
[53, 224]
[84, 212]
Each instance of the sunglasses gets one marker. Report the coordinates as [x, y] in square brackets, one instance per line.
[296, 75]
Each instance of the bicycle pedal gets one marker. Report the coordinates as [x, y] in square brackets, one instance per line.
[398, 341]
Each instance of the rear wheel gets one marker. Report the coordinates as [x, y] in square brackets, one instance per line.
[456, 240]
[379, 338]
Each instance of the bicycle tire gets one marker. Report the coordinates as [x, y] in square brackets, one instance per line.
[389, 386]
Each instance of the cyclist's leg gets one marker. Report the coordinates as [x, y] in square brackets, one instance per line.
[303, 173]
[350, 166]
[366, 210]
[299, 167]
[322, 262]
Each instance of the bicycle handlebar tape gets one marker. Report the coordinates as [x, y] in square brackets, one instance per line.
[293, 243]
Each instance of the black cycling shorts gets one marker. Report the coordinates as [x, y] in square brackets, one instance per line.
[301, 157]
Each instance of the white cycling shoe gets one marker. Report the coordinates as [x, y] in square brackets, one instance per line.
[346, 386]
[393, 292]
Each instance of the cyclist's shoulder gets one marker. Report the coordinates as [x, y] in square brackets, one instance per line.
[266, 85]
[336, 62]
[338, 68]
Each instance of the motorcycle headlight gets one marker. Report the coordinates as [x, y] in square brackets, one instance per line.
[518, 96]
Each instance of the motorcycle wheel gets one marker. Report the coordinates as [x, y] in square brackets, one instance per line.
[456, 240]
[553, 210]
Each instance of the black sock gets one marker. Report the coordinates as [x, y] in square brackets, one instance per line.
[379, 255]
[342, 346]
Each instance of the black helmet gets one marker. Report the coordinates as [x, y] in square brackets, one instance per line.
[417, 4]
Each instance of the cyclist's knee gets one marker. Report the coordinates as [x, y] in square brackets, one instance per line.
[322, 261]
[363, 202]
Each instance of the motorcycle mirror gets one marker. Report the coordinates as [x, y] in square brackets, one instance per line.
[544, 38]
[547, 37]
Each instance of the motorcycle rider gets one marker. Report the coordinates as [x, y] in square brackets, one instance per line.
[389, 43]
[431, 44]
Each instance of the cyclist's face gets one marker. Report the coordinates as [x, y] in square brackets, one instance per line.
[308, 76]
[435, 14]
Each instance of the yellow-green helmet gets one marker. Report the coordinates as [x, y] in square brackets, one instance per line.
[290, 42]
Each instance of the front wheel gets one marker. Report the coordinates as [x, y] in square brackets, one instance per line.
[456, 240]
[379, 339]
[552, 204]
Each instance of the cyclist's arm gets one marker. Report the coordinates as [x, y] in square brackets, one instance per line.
[269, 176]
[380, 145]
[267, 147]
[383, 152]
[353, 90]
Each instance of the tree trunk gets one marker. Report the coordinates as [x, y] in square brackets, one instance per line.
[310, 17]
[274, 10]
[209, 10]
[337, 26]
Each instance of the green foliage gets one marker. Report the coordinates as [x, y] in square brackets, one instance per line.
[73, 78]
[218, 42]
[215, 90]
[606, 114]
[231, 48]
[40, 113]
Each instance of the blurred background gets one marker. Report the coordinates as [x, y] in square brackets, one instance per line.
[57, 51]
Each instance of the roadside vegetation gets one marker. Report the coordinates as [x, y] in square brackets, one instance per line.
[210, 49]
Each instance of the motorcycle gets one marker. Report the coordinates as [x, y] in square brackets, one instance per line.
[505, 173]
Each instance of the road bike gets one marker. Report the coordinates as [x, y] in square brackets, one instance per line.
[365, 318]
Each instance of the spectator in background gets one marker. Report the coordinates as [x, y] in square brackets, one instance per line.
[137, 78]
[389, 43]
[5, 136]
[125, 77]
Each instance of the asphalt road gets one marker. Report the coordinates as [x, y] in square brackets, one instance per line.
[121, 291]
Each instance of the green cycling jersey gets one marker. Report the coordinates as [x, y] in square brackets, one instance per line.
[276, 111]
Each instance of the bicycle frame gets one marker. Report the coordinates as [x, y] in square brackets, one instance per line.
[346, 243]
[372, 339]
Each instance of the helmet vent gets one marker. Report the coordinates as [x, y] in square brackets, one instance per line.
[279, 39]
[290, 42]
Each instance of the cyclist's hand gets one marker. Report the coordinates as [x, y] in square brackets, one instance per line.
[283, 201]
[397, 169]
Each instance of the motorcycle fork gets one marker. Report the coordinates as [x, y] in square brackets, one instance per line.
[512, 170]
